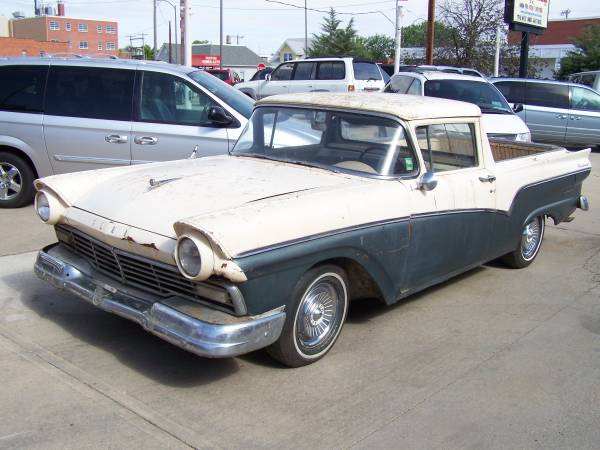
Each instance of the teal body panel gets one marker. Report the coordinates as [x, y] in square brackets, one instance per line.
[409, 254]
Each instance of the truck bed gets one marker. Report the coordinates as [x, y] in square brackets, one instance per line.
[503, 149]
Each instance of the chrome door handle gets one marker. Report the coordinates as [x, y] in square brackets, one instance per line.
[575, 117]
[561, 116]
[146, 140]
[487, 179]
[115, 139]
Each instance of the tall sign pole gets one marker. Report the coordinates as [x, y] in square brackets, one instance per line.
[221, 34]
[430, 32]
[305, 29]
[155, 37]
[186, 42]
[398, 37]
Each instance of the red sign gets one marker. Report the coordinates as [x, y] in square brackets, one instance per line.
[206, 61]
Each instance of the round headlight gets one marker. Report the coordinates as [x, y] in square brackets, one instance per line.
[42, 206]
[188, 257]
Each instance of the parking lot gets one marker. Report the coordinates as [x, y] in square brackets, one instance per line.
[496, 358]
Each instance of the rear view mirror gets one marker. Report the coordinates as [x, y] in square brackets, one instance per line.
[518, 107]
[219, 116]
[428, 181]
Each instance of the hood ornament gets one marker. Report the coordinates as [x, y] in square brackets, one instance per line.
[157, 183]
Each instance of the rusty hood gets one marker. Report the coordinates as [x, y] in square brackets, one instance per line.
[153, 197]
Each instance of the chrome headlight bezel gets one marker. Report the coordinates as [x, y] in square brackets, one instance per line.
[204, 255]
[48, 207]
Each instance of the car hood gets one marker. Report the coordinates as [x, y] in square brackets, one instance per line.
[503, 124]
[153, 197]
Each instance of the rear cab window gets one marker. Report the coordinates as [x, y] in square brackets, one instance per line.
[448, 146]
[22, 88]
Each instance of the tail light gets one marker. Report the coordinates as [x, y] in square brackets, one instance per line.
[350, 88]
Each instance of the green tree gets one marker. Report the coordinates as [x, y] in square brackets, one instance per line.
[335, 40]
[586, 55]
[379, 47]
[415, 35]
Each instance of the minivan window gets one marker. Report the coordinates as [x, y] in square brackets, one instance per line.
[232, 97]
[304, 71]
[513, 91]
[550, 95]
[584, 99]
[91, 92]
[331, 70]
[480, 93]
[22, 88]
[366, 71]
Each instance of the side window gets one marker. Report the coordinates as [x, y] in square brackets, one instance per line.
[366, 71]
[22, 88]
[513, 91]
[92, 92]
[168, 99]
[331, 70]
[415, 88]
[584, 99]
[549, 95]
[304, 71]
[447, 146]
[399, 84]
[283, 72]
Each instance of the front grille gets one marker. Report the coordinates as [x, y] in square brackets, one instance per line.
[147, 275]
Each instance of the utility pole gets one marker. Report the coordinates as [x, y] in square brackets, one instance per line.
[170, 58]
[305, 29]
[497, 56]
[430, 31]
[185, 34]
[524, 58]
[221, 34]
[399, 15]
[155, 37]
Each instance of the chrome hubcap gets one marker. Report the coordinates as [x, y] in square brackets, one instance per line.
[319, 312]
[531, 238]
[10, 181]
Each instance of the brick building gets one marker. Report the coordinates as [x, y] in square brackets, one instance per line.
[82, 36]
[30, 47]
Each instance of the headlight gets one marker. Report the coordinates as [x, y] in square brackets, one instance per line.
[523, 137]
[48, 207]
[194, 257]
[42, 206]
[189, 257]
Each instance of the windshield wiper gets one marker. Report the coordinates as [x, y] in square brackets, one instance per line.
[494, 111]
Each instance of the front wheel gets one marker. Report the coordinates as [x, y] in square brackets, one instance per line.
[315, 317]
[529, 245]
[16, 181]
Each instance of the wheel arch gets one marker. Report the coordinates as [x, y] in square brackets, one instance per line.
[22, 154]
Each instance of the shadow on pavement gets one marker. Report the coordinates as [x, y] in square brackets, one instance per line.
[127, 341]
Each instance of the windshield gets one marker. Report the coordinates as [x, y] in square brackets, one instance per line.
[234, 98]
[328, 139]
[483, 94]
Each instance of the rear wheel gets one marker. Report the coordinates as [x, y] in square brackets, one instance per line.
[529, 245]
[16, 181]
[315, 317]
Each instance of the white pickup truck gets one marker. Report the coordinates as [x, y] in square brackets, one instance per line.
[325, 198]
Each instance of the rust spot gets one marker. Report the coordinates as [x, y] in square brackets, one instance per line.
[132, 240]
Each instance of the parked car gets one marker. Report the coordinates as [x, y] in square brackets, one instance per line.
[65, 115]
[317, 75]
[499, 119]
[556, 112]
[227, 75]
[266, 246]
[590, 79]
[421, 68]
[261, 74]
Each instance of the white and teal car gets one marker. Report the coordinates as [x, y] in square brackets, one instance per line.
[324, 198]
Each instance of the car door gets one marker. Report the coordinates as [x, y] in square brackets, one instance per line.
[547, 111]
[87, 119]
[171, 119]
[452, 223]
[279, 82]
[303, 77]
[584, 117]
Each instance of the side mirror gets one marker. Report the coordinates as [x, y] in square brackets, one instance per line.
[219, 116]
[268, 77]
[517, 107]
[428, 181]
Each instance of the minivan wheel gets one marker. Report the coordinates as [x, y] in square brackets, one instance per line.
[315, 316]
[16, 181]
[529, 244]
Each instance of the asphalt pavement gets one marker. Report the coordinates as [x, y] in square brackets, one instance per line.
[495, 358]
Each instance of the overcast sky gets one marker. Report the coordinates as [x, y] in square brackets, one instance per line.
[264, 25]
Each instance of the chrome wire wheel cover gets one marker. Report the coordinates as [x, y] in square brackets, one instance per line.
[10, 181]
[531, 238]
[320, 314]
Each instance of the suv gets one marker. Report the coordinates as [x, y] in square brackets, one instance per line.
[499, 119]
[61, 115]
[317, 75]
[566, 114]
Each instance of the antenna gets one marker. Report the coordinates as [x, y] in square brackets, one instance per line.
[565, 12]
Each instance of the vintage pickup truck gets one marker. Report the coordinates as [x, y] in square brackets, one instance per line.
[325, 198]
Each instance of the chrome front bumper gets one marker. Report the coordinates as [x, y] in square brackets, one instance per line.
[191, 326]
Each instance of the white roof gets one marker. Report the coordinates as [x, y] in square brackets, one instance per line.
[407, 107]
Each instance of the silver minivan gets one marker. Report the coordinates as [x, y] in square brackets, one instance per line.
[66, 115]
[556, 112]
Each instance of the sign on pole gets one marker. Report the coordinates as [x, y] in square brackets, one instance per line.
[530, 16]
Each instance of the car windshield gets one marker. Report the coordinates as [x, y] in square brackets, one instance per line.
[332, 140]
[483, 94]
[234, 98]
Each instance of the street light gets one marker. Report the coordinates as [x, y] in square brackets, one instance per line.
[175, 20]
